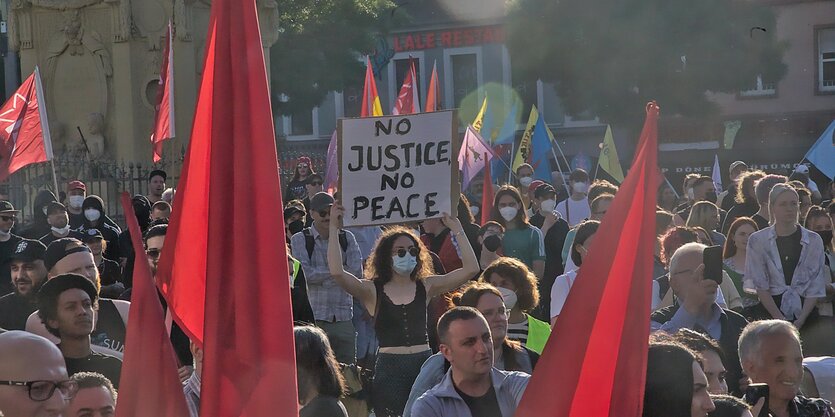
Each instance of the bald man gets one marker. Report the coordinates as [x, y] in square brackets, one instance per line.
[24, 358]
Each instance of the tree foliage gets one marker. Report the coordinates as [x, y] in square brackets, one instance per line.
[609, 57]
[320, 47]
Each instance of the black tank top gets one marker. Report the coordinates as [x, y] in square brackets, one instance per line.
[110, 329]
[403, 324]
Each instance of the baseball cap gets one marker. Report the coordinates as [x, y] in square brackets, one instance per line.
[544, 189]
[291, 210]
[321, 201]
[304, 160]
[91, 234]
[803, 169]
[7, 207]
[737, 164]
[157, 172]
[534, 185]
[76, 185]
[60, 248]
[54, 206]
[28, 250]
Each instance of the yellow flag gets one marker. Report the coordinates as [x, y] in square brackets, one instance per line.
[609, 161]
[479, 120]
[525, 145]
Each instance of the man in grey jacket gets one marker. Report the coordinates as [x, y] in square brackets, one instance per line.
[471, 387]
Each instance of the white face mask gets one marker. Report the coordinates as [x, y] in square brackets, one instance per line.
[548, 206]
[525, 181]
[76, 201]
[92, 214]
[580, 187]
[509, 298]
[508, 213]
[62, 230]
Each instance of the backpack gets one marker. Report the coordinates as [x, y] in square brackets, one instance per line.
[310, 243]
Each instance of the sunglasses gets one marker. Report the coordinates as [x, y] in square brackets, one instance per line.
[153, 253]
[43, 390]
[8, 218]
[303, 165]
[414, 251]
[324, 213]
[315, 183]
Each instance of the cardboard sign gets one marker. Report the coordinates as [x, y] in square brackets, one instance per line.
[397, 169]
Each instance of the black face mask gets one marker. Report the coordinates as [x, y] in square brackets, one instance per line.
[295, 227]
[492, 243]
[826, 235]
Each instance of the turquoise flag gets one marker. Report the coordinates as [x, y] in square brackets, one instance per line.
[822, 154]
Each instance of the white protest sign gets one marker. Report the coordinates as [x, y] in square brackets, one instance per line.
[396, 169]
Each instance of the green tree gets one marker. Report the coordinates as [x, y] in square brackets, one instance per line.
[609, 57]
[319, 48]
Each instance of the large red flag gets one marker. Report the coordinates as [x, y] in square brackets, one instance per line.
[433, 93]
[408, 101]
[24, 129]
[149, 369]
[487, 195]
[597, 354]
[224, 268]
[164, 116]
[370, 98]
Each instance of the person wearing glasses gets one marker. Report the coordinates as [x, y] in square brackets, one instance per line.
[33, 376]
[312, 186]
[332, 306]
[66, 306]
[28, 275]
[8, 243]
[401, 283]
[296, 188]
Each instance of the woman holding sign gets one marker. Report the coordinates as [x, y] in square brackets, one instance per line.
[521, 240]
[400, 286]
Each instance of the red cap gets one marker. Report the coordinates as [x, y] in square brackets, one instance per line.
[76, 185]
[534, 185]
[304, 160]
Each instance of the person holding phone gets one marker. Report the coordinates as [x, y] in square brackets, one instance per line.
[697, 309]
[786, 262]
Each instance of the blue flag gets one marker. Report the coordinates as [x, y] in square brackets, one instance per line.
[822, 154]
[505, 137]
[541, 152]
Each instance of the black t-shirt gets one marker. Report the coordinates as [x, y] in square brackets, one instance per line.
[110, 329]
[110, 272]
[7, 249]
[789, 248]
[761, 221]
[107, 365]
[323, 406]
[14, 311]
[76, 220]
[485, 406]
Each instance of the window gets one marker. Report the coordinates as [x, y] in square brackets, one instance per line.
[826, 60]
[462, 77]
[301, 123]
[760, 89]
[352, 101]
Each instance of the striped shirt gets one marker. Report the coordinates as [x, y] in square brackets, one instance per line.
[518, 331]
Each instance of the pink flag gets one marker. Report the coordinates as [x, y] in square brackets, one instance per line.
[408, 101]
[472, 157]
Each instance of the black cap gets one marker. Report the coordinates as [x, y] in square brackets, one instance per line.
[60, 248]
[543, 190]
[321, 201]
[158, 172]
[28, 250]
[91, 234]
[53, 288]
[291, 210]
[7, 207]
[54, 206]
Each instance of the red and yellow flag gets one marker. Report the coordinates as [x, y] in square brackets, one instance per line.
[370, 98]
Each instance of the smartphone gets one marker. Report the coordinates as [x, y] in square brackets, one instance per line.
[754, 393]
[712, 259]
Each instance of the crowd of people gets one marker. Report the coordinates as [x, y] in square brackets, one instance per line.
[449, 316]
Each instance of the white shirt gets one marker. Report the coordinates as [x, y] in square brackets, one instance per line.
[578, 210]
[560, 290]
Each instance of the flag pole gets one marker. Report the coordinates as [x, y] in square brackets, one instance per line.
[47, 137]
[510, 170]
[54, 177]
[559, 168]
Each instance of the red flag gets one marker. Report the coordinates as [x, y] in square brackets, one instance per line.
[433, 93]
[598, 354]
[370, 98]
[486, 194]
[164, 115]
[233, 294]
[408, 102]
[24, 129]
[149, 369]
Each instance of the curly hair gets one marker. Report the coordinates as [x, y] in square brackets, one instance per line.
[745, 191]
[379, 266]
[522, 278]
[674, 239]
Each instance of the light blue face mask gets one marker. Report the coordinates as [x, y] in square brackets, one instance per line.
[404, 265]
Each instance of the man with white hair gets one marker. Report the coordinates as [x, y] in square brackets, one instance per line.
[33, 376]
[696, 309]
[770, 352]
